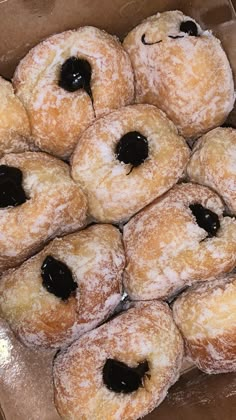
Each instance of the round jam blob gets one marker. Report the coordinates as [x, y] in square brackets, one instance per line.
[57, 278]
[11, 191]
[189, 27]
[132, 148]
[206, 219]
[120, 378]
[76, 74]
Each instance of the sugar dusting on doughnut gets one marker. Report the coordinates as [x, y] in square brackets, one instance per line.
[55, 206]
[57, 116]
[166, 249]
[114, 191]
[188, 77]
[96, 259]
[14, 123]
[206, 315]
[213, 163]
[145, 332]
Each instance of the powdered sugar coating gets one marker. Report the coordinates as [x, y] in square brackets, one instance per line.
[57, 116]
[14, 123]
[55, 206]
[144, 332]
[189, 77]
[166, 250]
[96, 259]
[206, 316]
[113, 194]
[213, 163]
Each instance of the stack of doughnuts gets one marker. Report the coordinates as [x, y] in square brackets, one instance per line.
[117, 241]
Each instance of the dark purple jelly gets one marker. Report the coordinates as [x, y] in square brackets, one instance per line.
[76, 74]
[120, 378]
[206, 219]
[57, 278]
[132, 148]
[11, 190]
[189, 27]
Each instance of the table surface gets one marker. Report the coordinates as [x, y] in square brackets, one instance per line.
[198, 396]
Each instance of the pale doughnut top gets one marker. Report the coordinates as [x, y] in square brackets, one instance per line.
[213, 163]
[208, 310]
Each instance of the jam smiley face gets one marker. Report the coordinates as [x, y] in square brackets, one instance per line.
[189, 27]
[186, 27]
[182, 70]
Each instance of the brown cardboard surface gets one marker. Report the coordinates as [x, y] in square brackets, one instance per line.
[197, 396]
[25, 376]
[25, 22]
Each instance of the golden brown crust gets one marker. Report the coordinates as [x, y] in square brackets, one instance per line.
[115, 191]
[206, 316]
[95, 257]
[57, 116]
[188, 77]
[166, 249]
[213, 163]
[14, 123]
[55, 206]
[144, 332]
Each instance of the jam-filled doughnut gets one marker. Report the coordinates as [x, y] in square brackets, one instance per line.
[180, 238]
[71, 286]
[213, 163]
[14, 122]
[123, 369]
[67, 81]
[38, 201]
[126, 159]
[183, 70]
[206, 316]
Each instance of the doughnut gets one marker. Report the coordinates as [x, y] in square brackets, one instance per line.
[206, 316]
[180, 238]
[38, 201]
[123, 369]
[213, 163]
[182, 70]
[67, 81]
[14, 123]
[126, 159]
[71, 286]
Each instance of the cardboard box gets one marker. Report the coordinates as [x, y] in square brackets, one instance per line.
[26, 391]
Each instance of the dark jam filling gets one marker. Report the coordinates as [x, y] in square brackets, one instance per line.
[132, 148]
[57, 278]
[76, 74]
[120, 378]
[206, 219]
[145, 42]
[189, 27]
[11, 191]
